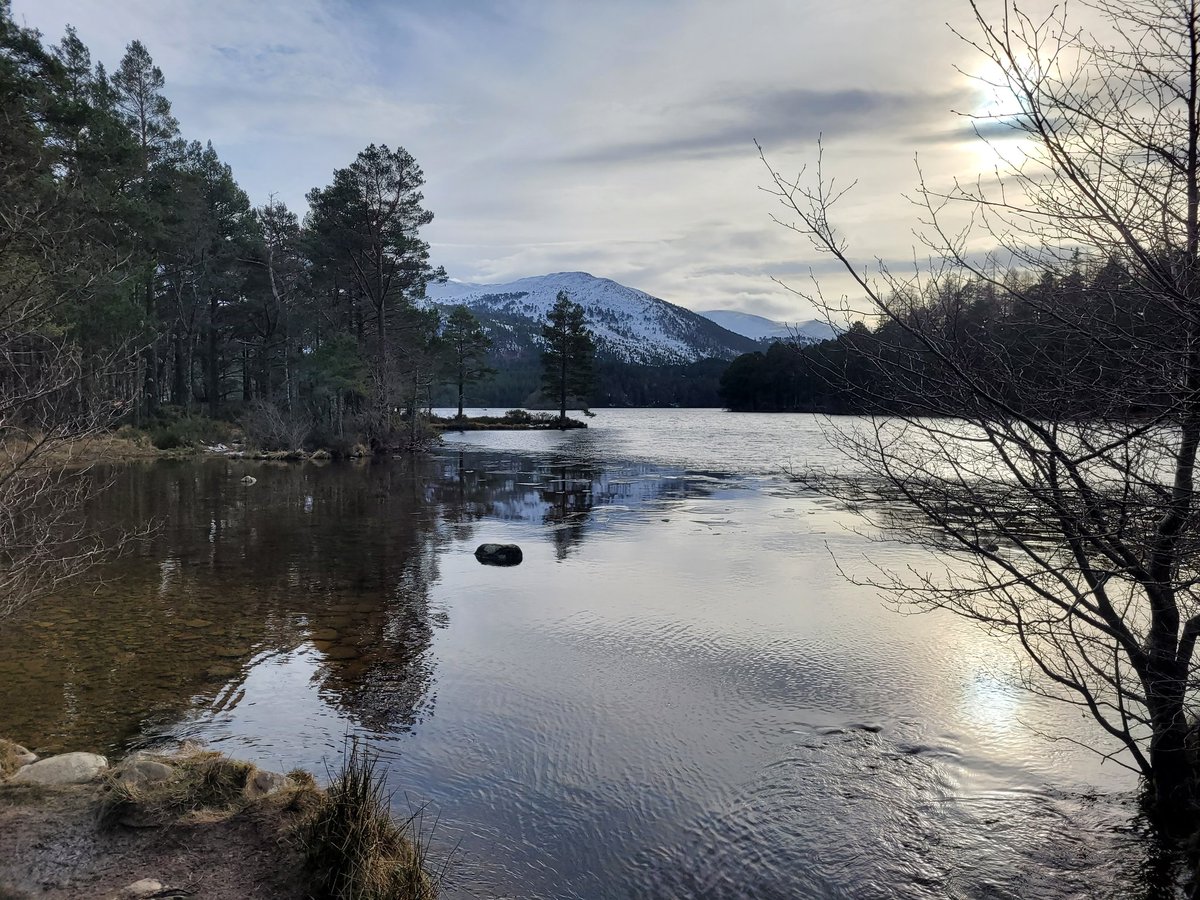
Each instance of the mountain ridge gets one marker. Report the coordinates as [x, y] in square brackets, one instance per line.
[630, 325]
[761, 328]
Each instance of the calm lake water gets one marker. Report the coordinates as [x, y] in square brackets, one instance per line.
[676, 694]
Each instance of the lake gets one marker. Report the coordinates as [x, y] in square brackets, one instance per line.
[677, 694]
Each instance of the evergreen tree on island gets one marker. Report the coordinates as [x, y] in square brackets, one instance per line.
[570, 351]
[467, 345]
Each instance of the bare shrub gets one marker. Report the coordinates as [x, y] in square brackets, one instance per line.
[267, 427]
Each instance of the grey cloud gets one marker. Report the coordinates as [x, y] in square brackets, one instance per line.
[729, 125]
[972, 129]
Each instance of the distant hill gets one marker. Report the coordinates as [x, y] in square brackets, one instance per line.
[760, 328]
[630, 326]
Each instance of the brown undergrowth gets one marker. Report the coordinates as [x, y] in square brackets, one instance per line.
[218, 827]
[11, 757]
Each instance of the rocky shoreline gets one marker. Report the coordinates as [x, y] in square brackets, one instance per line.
[186, 823]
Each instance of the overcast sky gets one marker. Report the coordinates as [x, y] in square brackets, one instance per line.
[613, 137]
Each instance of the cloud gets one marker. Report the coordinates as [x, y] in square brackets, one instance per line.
[616, 138]
[774, 118]
[972, 128]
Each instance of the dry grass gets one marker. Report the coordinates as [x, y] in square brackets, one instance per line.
[206, 785]
[115, 446]
[355, 849]
[302, 778]
[10, 759]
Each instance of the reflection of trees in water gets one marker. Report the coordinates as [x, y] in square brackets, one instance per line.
[561, 491]
[569, 494]
[338, 557]
[555, 493]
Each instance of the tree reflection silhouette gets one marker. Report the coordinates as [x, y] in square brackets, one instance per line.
[335, 561]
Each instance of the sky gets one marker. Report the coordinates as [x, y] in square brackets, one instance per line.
[615, 137]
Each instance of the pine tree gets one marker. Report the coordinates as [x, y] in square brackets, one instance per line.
[137, 92]
[365, 233]
[139, 85]
[467, 345]
[569, 354]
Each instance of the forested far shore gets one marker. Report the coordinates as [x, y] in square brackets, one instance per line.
[1081, 344]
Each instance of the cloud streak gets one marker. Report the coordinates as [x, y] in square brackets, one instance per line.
[776, 119]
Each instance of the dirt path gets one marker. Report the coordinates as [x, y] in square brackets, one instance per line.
[52, 847]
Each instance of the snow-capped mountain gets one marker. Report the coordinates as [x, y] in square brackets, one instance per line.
[763, 329]
[629, 325]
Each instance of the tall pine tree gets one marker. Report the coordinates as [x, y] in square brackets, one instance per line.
[467, 345]
[569, 354]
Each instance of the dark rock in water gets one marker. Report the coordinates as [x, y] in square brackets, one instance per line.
[499, 554]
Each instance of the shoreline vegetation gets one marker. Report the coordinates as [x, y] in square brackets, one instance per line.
[194, 820]
[513, 420]
[199, 436]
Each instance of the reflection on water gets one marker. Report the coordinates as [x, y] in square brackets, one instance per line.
[232, 576]
[675, 695]
[335, 559]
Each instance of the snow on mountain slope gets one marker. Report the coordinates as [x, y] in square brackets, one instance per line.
[628, 324]
[760, 328]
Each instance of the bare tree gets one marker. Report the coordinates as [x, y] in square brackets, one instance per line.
[1066, 490]
[52, 402]
[286, 277]
[47, 417]
[58, 253]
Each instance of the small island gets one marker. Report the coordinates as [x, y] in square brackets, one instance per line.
[513, 420]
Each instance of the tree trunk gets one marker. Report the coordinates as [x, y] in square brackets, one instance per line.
[150, 370]
[189, 358]
[1173, 786]
[177, 389]
[214, 376]
[562, 390]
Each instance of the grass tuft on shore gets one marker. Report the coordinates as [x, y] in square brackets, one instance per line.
[205, 783]
[353, 846]
[11, 757]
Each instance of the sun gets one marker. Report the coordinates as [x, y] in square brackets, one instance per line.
[991, 134]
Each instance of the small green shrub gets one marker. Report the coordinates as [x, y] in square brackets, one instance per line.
[170, 433]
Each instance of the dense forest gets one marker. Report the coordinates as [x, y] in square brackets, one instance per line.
[1078, 337]
[517, 382]
[134, 253]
